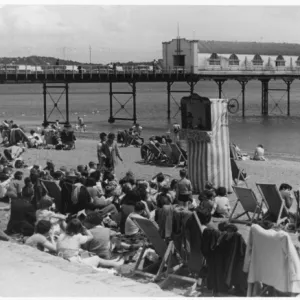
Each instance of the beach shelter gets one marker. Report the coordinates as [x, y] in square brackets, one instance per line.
[205, 129]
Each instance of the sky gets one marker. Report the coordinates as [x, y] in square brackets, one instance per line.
[135, 33]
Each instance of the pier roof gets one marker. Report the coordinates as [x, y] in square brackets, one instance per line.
[226, 47]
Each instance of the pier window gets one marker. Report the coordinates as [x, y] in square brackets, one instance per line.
[280, 62]
[233, 60]
[214, 60]
[257, 60]
[298, 62]
[178, 60]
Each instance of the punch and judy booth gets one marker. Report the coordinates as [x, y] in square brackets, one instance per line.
[205, 129]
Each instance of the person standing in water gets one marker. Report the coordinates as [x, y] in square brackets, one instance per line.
[81, 124]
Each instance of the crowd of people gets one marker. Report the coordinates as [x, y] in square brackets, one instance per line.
[131, 136]
[92, 222]
[61, 137]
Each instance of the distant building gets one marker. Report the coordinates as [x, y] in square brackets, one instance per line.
[196, 56]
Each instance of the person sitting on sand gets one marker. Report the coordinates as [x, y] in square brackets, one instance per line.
[45, 213]
[163, 198]
[14, 189]
[286, 194]
[104, 239]
[207, 202]
[222, 203]
[22, 215]
[259, 153]
[69, 246]
[35, 139]
[92, 167]
[131, 228]
[42, 238]
[137, 131]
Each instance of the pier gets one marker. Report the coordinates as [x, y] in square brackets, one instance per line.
[52, 77]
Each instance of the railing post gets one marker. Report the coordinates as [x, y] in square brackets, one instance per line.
[169, 99]
[288, 83]
[134, 101]
[45, 102]
[67, 103]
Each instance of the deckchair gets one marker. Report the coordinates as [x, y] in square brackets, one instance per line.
[159, 245]
[248, 201]
[164, 251]
[237, 173]
[233, 153]
[173, 275]
[274, 202]
[178, 155]
[155, 153]
[54, 191]
[166, 149]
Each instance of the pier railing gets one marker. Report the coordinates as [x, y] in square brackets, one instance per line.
[92, 72]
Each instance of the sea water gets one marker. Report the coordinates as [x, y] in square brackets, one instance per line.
[279, 133]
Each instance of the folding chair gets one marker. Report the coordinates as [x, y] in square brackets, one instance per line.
[166, 149]
[233, 153]
[274, 202]
[145, 152]
[195, 281]
[54, 191]
[248, 201]
[155, 153]
[178, 155]
[161, 248]
[237, 173]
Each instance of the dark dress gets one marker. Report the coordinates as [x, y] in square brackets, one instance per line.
[22, 217]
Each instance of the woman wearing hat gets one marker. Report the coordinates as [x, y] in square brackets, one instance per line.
[111, 152]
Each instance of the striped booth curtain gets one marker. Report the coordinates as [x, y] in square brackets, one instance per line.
[208, 151]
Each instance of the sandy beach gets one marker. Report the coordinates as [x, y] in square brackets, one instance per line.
[33, 270]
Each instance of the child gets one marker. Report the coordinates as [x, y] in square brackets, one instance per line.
[44, 213]
[207, 202]
[163, 198]
[222, 202]
[184, 188]
[40, 239]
